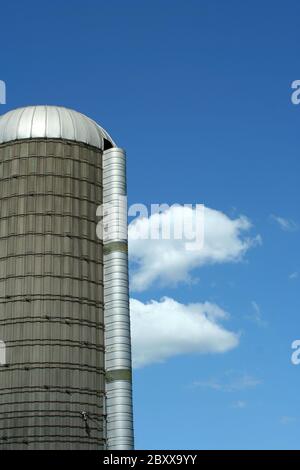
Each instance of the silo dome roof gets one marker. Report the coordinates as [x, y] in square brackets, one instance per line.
[51, 122]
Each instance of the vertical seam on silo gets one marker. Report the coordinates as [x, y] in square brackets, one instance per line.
[19, 121]
[31, 124]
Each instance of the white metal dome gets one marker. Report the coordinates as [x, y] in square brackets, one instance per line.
[54, 122]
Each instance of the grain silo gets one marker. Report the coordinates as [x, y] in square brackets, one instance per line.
[65, 368]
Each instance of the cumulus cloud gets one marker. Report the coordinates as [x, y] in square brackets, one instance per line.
[287, 225]
[168, 261]
[166, 328]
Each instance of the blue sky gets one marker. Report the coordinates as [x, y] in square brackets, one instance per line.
[199, 94]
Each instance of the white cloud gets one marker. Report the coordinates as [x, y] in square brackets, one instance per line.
[169, 262]
[256, 315]
[294, 275]
[230, 382]
[287, 419]
[288, 225]
[166, 328]
[240, 404]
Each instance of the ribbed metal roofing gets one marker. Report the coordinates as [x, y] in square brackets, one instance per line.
[53, 122]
